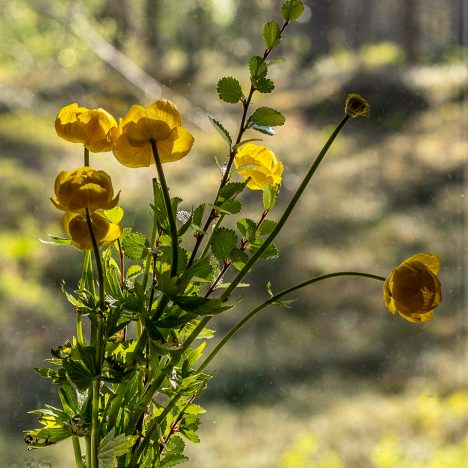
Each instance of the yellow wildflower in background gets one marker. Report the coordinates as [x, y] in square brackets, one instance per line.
[413, 289]
[76, 229]
[160, 122]
[261, 165]
[82, 188]
[92, 127]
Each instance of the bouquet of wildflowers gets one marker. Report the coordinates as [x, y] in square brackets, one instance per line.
[128, 386]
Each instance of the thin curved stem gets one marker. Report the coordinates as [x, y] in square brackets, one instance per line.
[77, 452]
[170, 213]
[273, 300]
[287, 211]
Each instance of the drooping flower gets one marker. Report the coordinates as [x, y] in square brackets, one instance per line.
[77, 230]
[413, 288]
[94, 128]
[356, 105]
[260, 164]
[160, 122]
[82, 188]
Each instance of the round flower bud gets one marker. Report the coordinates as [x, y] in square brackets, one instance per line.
[413, 289]
[83, 188]
[356, 105]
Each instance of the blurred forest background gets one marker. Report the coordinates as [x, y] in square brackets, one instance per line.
[335, 381]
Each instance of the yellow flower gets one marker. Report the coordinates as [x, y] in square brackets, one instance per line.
[356, 105]
[82, 188]
[94, 128]
[413, 289]
[160, 122]
[260, 165]
[76, 229]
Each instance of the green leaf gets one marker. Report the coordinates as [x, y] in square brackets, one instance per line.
[248, 229]
[264, 85]
[222, 131]
[135, 246]
[276, 61]
[222, 242]
[56, 240]
[112, 447]
[230, 207]
[264, 129]
[133, 270]
[201, 305]
[198, 214]
[271, 34]
[229, 90]
[78, 374]
[244, 142]
[258, 68]
[266, 116]
[114, 215]
[174, 452]
[239, 258]
[270, 194]
[270, 252]
[230, 191]
[201, 269]
[266, 228]
[292, 10]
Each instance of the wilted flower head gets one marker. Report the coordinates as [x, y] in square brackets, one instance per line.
[160, 122]
[82, 188]
[260, 164]
[77, 230]
[92, 127]
[356, 105]
[413, 289]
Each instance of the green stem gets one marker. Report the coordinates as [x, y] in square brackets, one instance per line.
[88, 451]
[95, 386]
[170, 212]
[86, 156]
[79, 329]
[77, 452]
[287, 211]
[274, 299]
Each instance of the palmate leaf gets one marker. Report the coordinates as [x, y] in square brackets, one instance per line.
[266, 116]
[229, 90]
[201, 305]
[112, 447]
[173, 453]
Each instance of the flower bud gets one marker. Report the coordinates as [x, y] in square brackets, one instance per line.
[77, 230]
[413, 289]
[94, 128]
[356, 105]
[83, 188]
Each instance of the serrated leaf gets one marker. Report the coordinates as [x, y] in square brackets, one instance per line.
[276, 61]
[221, 130]
[264, 85]
[114, 215]
[270, 194]
[230, 191]
[264, 129]
[270, 252]
[230, 207]
[266, 116]
[248, 228]
[198, 213]
[258, 68]
[112, 447]
[271, 34]
[135, 246]
[292, 9]
[223, 241]
[229, 90]
[238, 259]
[173, 452]
[133, 270]
[266, 228]
[78, 374]
[201, 305]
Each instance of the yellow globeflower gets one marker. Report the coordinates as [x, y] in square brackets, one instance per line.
[94, 128]
[76, 229]
[260, 164]
[413, 289]
[160, 122]
[82, 188]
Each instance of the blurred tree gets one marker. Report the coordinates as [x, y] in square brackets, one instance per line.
[119, 12]
[410, 30]
[151, 37]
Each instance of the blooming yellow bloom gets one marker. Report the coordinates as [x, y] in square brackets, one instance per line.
[94, 128]
[261, 165]
[82, 188]
[76, 229]
[160, 122]
[413, 289]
